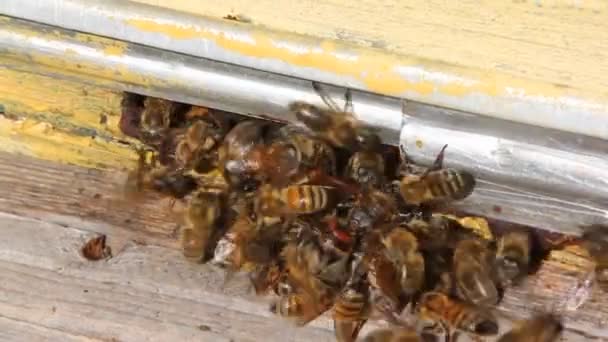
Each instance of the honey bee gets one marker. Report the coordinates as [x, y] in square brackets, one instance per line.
[237, 144]
[173, 183]
[451, 316]
[371, 207]
[472, 267]
[293, 199]
[513, 257]
[402, 250]
[201, 217]
[130, 117]
[336, 125]
[156, 119]
[310, 297]
[541, 328]
[229, 252]
[393, 334]
[384, 278]
[197, 148]
[310, 152]
[366, 168]
[96, 249]
[595, 241]
[433, 234]
[436, 184]
[247, 246]
[350, 311]
[265, 277]
[302, 306]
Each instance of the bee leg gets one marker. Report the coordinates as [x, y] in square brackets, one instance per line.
[318, 177]
[358, 328]
[449, 337]
[329, 102]
[348, 102]
[438, 163]
[405, 166]
[455, 336]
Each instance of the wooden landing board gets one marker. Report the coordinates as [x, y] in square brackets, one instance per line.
[147, 291]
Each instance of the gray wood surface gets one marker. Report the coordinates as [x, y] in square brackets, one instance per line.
[147, 291]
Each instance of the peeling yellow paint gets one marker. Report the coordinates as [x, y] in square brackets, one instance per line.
[114, 50]
[58, 101]
[550, 42]
[59, 120]
[40, 140]
[376, 69]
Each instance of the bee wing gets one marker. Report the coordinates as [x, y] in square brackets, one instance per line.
[477, 287]
[335, 273]
[329, 102]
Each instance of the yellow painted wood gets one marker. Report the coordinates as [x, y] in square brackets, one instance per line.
[548, 46]
[60, 120]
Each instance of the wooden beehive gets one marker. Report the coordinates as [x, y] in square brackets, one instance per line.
[63, 159]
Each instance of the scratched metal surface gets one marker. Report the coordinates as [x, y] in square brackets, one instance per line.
[331, 61]
[529, 175]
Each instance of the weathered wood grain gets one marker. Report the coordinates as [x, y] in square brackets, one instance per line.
[147, 291]
[18, 330]
[71, 194]
[143, 293]
[56, 119]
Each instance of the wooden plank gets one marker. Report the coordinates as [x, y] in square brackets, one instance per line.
[143, 293]
[55, 119]
[555, 42]
[72, 195]
[50, 219]
[17, 330]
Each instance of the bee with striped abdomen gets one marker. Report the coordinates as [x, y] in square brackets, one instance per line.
[308, 296]
[293, 199]
[351, 310]
[450, 316]
[540, 328]
[436, 185]
[201, 217]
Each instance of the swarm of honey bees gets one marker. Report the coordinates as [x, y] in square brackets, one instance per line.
[314, 213]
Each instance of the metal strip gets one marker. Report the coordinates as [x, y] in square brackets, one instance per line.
[476, 91]
[516, 164]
